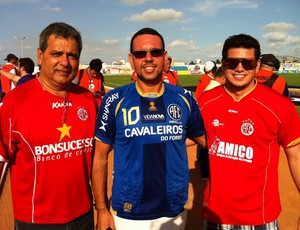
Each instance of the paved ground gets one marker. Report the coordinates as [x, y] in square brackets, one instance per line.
[289, 198]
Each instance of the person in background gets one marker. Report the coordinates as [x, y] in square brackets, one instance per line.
[147, 123]
[210, 70]
[245, 130]
[170, 76]
[202, 152]
[46, 133]
[265, 74]
[219, 79]
[10, 67]
[91, 78]
[25, 69]
[133, 76]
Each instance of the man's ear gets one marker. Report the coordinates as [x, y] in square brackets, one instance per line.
[130, 59]
[258, 64]
[39, 55]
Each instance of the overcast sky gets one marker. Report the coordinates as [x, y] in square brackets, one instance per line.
[192, 29]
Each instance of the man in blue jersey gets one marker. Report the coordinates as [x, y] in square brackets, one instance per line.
[147, 123]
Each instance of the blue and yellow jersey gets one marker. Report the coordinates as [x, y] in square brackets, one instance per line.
[148, 132]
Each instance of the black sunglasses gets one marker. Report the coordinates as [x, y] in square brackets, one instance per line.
[232, 63]
[142, 53]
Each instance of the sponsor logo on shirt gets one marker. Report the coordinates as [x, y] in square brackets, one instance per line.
[61, 150]
[231, 151]
[105, 114]
[217, 123]
[56, 105]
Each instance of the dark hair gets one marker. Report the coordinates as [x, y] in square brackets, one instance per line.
[59, 29]
[27, 64]
[238, 41]
[96, 64]
[146, 31]
[219, 72]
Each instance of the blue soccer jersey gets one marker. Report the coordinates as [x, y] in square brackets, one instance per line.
[148, 131]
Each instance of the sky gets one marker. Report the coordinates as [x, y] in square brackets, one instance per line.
[192, 29]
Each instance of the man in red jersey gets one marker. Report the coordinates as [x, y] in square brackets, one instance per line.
[46, 134]
[245, 130]
[170, 76]
[92, 79]
[10, 67]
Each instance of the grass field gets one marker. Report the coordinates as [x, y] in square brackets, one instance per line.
[293, 80]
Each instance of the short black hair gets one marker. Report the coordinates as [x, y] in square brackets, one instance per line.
[59, 29]
[241, 41]
[27, 64]
[143, 31]
[96, 64]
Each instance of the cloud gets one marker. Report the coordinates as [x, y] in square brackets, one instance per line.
[279, 36]
[111, 42]
[137, 2]
[9, 2]
[188, 46]
[211, 8]
[49, 8]
[280, 26]
[153, 15]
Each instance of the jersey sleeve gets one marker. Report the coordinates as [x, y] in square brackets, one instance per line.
[6, 143]
[105, 123]
[289, 133]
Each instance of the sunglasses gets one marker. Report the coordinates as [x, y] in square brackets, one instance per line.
[232, 63]
[142, 53]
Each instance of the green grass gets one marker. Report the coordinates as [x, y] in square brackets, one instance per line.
[114, 81]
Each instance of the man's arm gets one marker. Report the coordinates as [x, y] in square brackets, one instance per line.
[293, 157]
[196, 140]
[10, 76]
[99, 185]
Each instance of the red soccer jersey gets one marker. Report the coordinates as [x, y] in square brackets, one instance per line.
[49, 142]
[202, 84]
[94, 83]
[170, 77]
[7, 83]
[244, 141]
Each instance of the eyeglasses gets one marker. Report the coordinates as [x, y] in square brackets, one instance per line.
[232, 63]
[142, 53]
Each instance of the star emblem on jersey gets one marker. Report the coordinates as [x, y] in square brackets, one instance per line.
[65, 131]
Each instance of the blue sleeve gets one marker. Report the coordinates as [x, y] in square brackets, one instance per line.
[105, 124]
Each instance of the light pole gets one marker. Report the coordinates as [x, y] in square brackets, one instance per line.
[22, 46]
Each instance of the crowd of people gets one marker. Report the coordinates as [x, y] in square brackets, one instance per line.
[59, 126]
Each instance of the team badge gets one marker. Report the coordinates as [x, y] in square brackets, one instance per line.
[247, 127]
[82, 114]
[174, 111]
